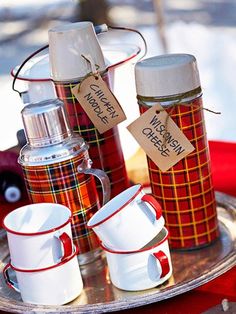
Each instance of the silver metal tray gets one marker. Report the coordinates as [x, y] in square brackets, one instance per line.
[190, 270]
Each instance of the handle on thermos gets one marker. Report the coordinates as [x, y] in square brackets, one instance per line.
[164, 262]
[85, 167]
[12, 284]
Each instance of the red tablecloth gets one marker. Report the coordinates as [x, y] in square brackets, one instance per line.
[223, 161]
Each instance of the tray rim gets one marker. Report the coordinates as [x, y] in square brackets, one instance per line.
[225, 264]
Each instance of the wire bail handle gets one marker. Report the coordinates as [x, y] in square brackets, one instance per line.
[98, 30]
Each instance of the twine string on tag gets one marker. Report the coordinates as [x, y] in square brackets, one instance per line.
[92, 73]
[94, 66]
[178, 102]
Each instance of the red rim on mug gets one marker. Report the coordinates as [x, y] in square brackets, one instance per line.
[34, 233]
[146, 198]
[139, 186]
[144, 249]
[76, 252]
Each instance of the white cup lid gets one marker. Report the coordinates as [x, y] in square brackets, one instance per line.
[66, 45]
[166, 75]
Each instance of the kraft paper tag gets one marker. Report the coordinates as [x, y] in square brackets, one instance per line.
[99, 103]
[161, 139]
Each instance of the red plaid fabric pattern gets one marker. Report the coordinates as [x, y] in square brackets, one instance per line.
[61, 183]
[185, 191]
[105, 149]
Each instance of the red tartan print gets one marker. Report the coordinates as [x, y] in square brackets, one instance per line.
[185, 191]
[105, 149]
[61, 183]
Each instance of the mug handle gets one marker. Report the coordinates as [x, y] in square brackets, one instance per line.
[67, 245]
[154, 203]
[12, 284]
[85, 167]
[164, 262]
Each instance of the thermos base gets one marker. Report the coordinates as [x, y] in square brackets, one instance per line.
[89, 257]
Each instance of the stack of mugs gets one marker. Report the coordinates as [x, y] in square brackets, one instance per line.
[132, 233]
[43, 255]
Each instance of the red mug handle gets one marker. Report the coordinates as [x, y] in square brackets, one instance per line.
[163, 260]
[67, 246]
[12, 284]
[154, 203]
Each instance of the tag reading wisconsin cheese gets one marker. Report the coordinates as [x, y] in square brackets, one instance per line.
[99, 103]
[161, 139]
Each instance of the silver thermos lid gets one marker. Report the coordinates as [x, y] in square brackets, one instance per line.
[45, 123]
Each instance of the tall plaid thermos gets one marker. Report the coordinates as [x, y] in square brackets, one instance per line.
[69, 45]
[57, 169]
[185, 191]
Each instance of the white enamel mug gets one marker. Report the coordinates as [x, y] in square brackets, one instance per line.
[142, 269]
[39, 235]
[128, 221]
[55, 285]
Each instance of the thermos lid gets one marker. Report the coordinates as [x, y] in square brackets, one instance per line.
[166, 75]
[45, 122]
[67, 44]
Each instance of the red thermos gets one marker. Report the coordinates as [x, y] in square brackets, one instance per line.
[57, 169]
[68, 45]
[185, 191]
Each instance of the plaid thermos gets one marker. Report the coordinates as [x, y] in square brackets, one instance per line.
[69, 45]
[57, 169]
[185, 191]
